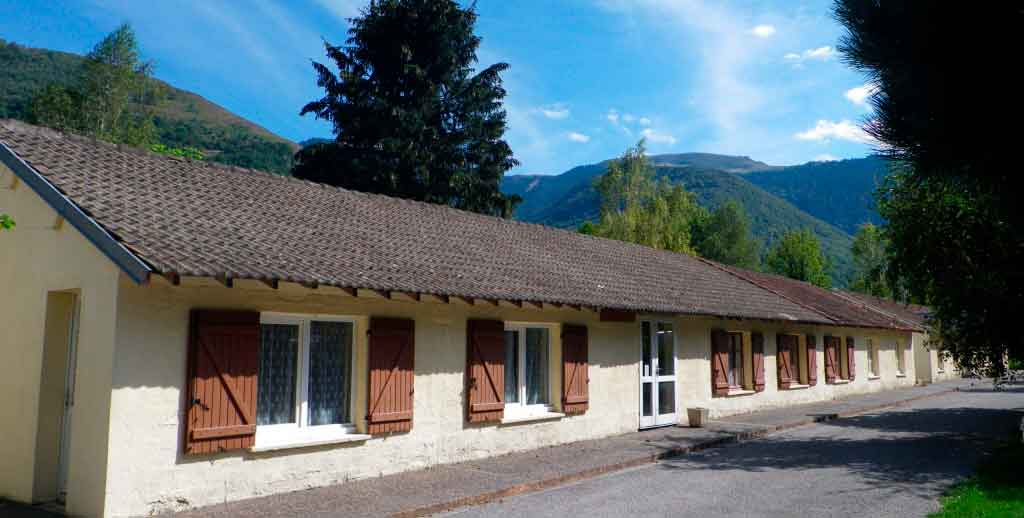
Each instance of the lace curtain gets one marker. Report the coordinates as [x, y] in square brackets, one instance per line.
[330, 358]
[279, 348]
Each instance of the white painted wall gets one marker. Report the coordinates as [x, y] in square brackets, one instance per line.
[148, 472]
[36, 258]
[695, 369]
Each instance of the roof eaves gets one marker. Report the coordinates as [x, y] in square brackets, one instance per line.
[129, 263]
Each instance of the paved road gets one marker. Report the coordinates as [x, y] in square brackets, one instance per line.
[890, 463]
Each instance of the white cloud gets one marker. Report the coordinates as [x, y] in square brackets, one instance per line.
[342, 9]
[826, 158]
[612, 116]
[628, 117]
[554, 111]
[578, 137]
[821, 54]
[763, 31]
[861, 94]
[644, 121]
[826, 130]
[658, 137]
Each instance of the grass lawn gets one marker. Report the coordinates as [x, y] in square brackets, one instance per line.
[997, 490]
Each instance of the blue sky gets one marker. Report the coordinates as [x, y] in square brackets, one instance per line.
[588, 78]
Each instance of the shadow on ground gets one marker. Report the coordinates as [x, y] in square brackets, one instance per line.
[904, 453]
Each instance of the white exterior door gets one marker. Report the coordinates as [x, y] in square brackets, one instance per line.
[657, 374]
[69, 404]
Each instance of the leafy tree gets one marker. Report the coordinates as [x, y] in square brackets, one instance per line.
[6, 223]
[638, 209]
[952, 203]
[57, 107]
[870, 262]
[113, 100]
[798, 256]
[587, 227]
[726, 237]
[412, 117]
[182, 152]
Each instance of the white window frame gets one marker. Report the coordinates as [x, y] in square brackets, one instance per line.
[300, 432]
[521, 409]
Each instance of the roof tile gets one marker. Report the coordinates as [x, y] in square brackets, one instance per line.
[196, 218]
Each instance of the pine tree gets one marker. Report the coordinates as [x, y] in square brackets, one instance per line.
[952, 203]
[412, 117]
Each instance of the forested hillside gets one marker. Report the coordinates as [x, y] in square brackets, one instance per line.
[838, 192]
[183, 119]
[830, 198]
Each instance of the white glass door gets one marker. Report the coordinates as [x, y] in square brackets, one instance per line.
[657, 374]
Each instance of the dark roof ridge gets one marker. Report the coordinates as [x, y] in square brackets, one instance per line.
[734, 271]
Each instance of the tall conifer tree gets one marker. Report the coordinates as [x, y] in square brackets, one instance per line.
[412, 116]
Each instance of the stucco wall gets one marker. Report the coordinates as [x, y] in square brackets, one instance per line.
[36, 258]
[149, 473]
[694, 387]
[929, 363]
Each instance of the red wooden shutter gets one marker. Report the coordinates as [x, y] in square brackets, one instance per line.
[812, 360]
[719, 362]
[575, 375]
[223, 362]
[757, 355]
[831, 365]
[851, 363]
[485, 370]
[783, 358]
[390, 397]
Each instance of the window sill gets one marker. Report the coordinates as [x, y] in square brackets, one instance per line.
[306, 440]
[798, 386]
[297, 443]
[740, 392]
[901, 375]
[546, 416]
[840, 382]
[874, 377]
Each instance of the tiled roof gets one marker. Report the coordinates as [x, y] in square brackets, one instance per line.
[840, 309]
[914, 314]
[201, 219]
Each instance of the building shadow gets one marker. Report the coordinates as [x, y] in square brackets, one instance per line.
[915, 448]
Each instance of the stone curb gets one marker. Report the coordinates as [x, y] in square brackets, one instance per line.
[730, 438]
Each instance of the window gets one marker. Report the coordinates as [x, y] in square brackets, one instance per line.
[843, 355]
[872, 358]
[796, 369]
[901, 359]
[734, 370]
[304, 381]
[526, 370]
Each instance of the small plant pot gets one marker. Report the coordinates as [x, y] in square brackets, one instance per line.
[697, 416]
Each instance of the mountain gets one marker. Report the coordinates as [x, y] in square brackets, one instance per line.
[182, 119]
[839, 192]
[830, 198]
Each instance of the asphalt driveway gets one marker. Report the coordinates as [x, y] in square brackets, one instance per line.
[890, 463]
